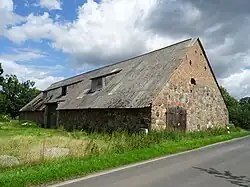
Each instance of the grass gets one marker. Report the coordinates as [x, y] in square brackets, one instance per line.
[101, 151]
[27, 143]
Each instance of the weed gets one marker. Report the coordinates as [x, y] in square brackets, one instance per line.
[89, 152]
[60, 169]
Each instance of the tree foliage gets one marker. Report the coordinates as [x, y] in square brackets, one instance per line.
[15, 94]
[1, 74]
[245, 101]
[239, 111]
[2, 98]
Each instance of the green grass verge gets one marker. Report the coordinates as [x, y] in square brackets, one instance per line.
[69, 168]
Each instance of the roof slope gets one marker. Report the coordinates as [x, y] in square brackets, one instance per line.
[135, 86]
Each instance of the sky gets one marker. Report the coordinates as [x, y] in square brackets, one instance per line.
[48, 40]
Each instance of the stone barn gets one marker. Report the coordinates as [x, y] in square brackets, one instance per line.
[171, 88]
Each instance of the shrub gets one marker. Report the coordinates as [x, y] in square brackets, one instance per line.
[235, 129]
[4, 118]
[25, 123]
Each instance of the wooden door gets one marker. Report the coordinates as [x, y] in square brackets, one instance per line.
[176, 118]
[52, 115]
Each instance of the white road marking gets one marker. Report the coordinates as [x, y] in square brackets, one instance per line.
[141, 163]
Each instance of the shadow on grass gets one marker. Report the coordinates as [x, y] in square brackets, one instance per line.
[242, 181]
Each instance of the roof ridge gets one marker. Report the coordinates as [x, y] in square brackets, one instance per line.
[141, 55]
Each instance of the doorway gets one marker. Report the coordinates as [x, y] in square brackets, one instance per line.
[52, 115]
[176, 118]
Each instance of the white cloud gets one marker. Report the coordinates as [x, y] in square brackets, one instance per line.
[34, 28]
[238, 84]
[6, 14]
[6, 4]
[96, 31]
[51, 4]
[190, 13]
[116, 29]
[41, 76]
[23, 54]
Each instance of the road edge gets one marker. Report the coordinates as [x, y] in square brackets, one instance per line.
[142, 163]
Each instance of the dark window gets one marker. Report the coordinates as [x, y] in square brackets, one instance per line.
[198, 127]
[195, 51]
[190, 62]
[205, 68]
[96, 84]
[193, 81]
[44, 95]
[99, 82]
[64, 90]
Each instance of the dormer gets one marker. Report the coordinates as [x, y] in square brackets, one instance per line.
[44, 94]
[99, 82]
[64, 91]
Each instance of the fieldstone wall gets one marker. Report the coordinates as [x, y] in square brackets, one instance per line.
[35, 116]
[200, 97]
[105, 119]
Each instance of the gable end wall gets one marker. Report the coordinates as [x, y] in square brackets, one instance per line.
[203, 101]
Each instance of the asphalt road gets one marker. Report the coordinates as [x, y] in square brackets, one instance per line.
[222, 165]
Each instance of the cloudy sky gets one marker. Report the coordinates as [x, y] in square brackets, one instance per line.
[48, 40]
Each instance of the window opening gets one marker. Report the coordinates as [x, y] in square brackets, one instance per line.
[193, 81]
[96, 84]
[64, 90]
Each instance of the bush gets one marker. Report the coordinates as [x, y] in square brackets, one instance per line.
[24, 123]
[4, 118]
[235, 129]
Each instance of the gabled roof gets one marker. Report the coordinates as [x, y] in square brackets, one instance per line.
[134, 84]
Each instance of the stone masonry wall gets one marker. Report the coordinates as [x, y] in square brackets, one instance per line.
[203, 101]
[104, 119]
[35, 116]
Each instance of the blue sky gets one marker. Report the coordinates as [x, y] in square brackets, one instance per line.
[49, 40]
[38, 57]
[52, 57]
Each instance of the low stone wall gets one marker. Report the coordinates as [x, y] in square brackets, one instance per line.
[35, 116]
[105, 119]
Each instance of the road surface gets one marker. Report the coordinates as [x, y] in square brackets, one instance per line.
[222, 165]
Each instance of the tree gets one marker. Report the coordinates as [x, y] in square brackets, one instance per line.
[239, 111]
[233, 107]
[17, 94]
[2, 97]
[1, 73]
[2, 104]
[229, 100]
[245, 107]
[245, 100]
